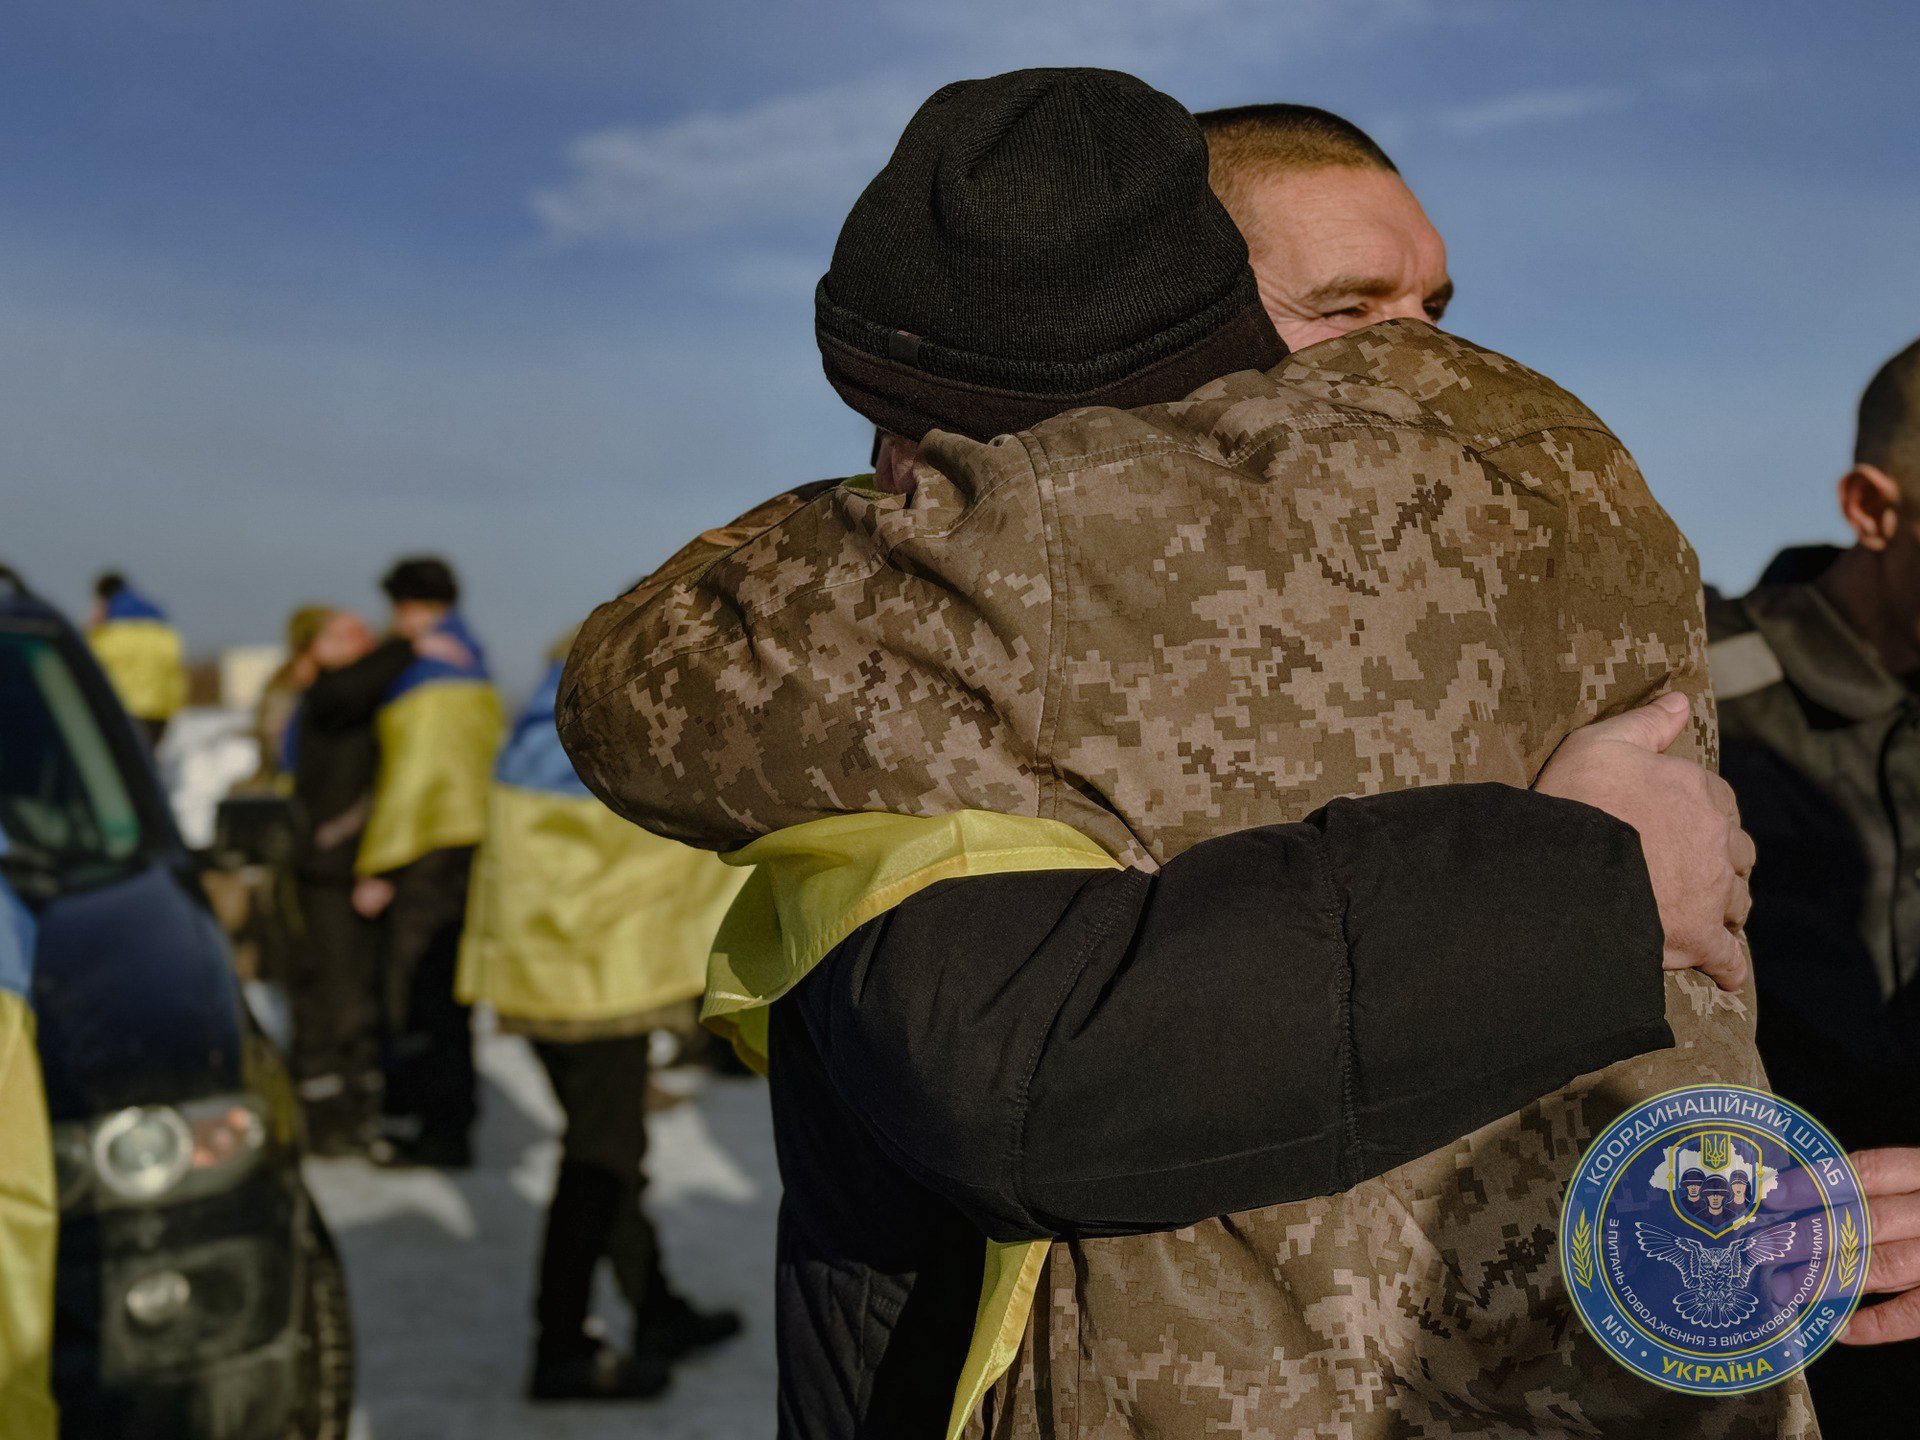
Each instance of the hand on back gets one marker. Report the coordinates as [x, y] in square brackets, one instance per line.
[1698, 857]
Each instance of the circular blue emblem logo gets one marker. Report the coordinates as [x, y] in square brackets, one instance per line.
[1714, 1239]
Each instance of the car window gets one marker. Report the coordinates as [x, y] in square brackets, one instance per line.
[63, 798]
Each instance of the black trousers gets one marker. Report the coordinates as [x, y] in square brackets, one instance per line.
[429, 1049]
[597, 1211]
[333, 990]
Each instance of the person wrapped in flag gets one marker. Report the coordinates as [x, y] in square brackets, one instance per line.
[585, 934]
[438, 726]
[140, 651]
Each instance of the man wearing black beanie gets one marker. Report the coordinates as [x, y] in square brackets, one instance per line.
[1039, 241]
[1061, 927]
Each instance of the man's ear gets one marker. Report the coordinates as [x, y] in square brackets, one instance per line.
[1870, 501]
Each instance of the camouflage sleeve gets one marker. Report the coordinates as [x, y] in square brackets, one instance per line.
[613, 644]
[836, 651]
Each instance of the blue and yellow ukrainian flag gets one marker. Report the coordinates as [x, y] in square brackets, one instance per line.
[439, 727]
[142, 656]
[577, 916]
[29, 1213]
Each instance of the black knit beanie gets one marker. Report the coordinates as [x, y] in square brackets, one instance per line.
[1040, 240]
[421, 577]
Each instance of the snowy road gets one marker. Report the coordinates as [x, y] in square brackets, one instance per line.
[441, 1269]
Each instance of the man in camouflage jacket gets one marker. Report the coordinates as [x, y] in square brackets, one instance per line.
[1393, 561]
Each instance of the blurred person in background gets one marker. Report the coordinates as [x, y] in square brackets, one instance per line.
[585, 934]
[28, 1212]
[335, 678]
[1336, 238]
[279, 704]
[1817, 675]
[437, 723]
[140, 651]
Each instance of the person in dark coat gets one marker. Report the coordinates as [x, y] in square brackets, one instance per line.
[1817, 676]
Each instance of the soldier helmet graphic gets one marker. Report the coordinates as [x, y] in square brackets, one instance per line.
[1741, 1183]
[1690, 1181]
[1714, 1191]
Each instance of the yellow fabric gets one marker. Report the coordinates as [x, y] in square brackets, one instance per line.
[29, 1224]
[815, 884]
[146, 663]
[578, 915]
[437, 744]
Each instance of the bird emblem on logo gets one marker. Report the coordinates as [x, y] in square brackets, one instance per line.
[1713, 1294]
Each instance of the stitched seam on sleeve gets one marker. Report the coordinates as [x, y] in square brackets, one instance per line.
[1349, 1041]
[1045, 796]
[1099, 930]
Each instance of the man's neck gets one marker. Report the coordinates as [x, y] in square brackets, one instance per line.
[1854, 585]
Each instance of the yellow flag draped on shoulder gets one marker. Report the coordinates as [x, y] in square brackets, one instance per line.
[439, 729]
[142, 655]
[815, 884]
[577, 916]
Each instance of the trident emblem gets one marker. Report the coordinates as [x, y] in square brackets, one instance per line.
[1714, 1180]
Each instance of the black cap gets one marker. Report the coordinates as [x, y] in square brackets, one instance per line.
[1039, 240]
[421, 577]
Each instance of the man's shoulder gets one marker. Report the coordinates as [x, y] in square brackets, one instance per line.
[1739, 657]
[1727, 615]
[1486, 398]
[1236, 415]
[1399, 375]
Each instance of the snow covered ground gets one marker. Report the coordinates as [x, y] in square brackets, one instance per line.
[440, 1268]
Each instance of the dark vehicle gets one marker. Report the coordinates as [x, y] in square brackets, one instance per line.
[198, 1294]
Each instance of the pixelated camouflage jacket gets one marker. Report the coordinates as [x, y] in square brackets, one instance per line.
[1397, 559]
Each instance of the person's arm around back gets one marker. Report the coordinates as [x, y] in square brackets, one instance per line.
[1283, 1012]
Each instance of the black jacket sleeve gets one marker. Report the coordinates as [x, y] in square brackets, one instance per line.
[1277, 1014]
[341, 699]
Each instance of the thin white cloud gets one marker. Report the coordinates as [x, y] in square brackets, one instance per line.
[795, 158]
[802, 158]
[1526, 108]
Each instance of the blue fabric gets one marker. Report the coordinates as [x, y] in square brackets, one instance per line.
[424, 671]
[130, 604]
[290, 739]
[16, 941]
[533, 758]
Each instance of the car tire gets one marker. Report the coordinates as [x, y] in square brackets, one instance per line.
[323, 1408]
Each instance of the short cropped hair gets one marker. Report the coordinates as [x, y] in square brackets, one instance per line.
[1247, 142]
[1889, 434]
[422, 577]
[109, 584]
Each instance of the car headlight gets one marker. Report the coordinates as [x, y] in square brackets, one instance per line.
[141, 1154]
[158, 1154]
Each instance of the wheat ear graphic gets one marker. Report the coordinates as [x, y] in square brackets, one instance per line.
[1582, 1252]
[1849, 1250]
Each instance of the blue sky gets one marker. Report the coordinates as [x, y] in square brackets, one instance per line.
[288, 288]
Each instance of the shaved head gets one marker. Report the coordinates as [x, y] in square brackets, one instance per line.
[1889, 435]
[1248, 142]
[1336, 238]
